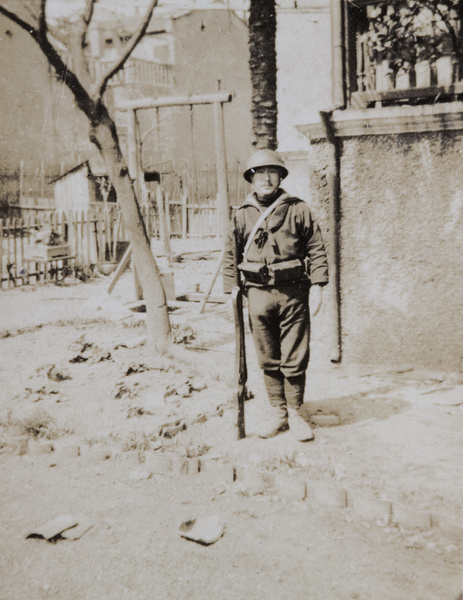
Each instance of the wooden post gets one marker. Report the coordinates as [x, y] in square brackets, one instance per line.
[185, 214]
[132, 149]
[162, 222]
[88, 233]
[212, 282]
[1, 254]
[22, 229]
[42, 179]
[222, 188]
[21, 180]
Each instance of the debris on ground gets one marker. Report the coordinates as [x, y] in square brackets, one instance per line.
[83, 351]
[123, 390]
[69, 527]
[140, 474]
[182, 334]
[205, 530]
[185, 388]
[136, 368]
[56, 373]
[135, 342]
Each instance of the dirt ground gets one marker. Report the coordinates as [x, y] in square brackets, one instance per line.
[85, 413]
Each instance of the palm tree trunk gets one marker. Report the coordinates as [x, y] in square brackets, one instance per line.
[262, 63]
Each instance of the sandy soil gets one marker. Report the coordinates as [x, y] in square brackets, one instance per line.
[74, 376]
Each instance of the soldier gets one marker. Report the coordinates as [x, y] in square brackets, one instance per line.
[281, 259]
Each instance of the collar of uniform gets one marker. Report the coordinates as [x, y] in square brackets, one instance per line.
[252, 199]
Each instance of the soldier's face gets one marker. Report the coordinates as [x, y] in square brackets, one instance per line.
[266, 181]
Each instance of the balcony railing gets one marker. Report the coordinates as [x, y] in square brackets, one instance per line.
[378, 83]
[138, 72]
[373, 81]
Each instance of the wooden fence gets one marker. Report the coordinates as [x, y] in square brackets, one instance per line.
[94, 237]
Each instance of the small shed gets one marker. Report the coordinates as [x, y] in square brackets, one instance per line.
[83, 187]
[86, 205]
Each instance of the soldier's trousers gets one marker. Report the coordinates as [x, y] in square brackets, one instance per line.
[280, 324]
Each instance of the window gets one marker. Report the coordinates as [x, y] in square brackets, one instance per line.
[403, 52]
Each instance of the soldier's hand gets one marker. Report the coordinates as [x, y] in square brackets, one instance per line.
[315, 299]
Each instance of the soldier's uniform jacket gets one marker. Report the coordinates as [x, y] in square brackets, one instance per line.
[289, 232]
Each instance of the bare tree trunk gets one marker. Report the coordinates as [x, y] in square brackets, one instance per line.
[262, 63]
[104, 136]
[88, 93]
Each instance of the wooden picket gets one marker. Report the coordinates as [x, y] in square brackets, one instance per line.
[95, 236]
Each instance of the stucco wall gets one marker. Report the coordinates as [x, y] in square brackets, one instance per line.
[401, 247]
[304, 70]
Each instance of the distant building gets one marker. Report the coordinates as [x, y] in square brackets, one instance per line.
[182, 53]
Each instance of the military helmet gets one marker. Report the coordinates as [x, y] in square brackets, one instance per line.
[264, 158]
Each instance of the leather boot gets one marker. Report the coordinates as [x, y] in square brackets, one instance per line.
[274, 384]
[294, 393]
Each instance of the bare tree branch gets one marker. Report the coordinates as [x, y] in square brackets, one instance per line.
[86, 20]
[77, 43]
[42, 18]
[84, 102]
[29, 11]
[88, 12]
[100, 86]
[19, 21]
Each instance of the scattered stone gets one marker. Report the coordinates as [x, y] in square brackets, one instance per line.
[290, 488]
[180, 465]
[184, 390]
[133, 343]
[340, 472]
[367, 507]
[410, 518]
[326, 494]
[194, 466]
[99, 453]
[413, 544]
[136, 368]
[198, 385]
[325, 420]
[122, 390]
[255, 482]
[205, 530]
[66, 450]
[52, 529]
[135, 411]
[158, 463]
[452, 530]
[20, 444]
[140, 474]
[58, 374]
[169, 430]
[39, 447]
[217, 471]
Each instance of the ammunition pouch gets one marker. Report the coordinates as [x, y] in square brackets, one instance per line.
[277, 273]
[253, 272]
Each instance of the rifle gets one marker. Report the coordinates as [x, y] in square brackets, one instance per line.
[241, 372]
